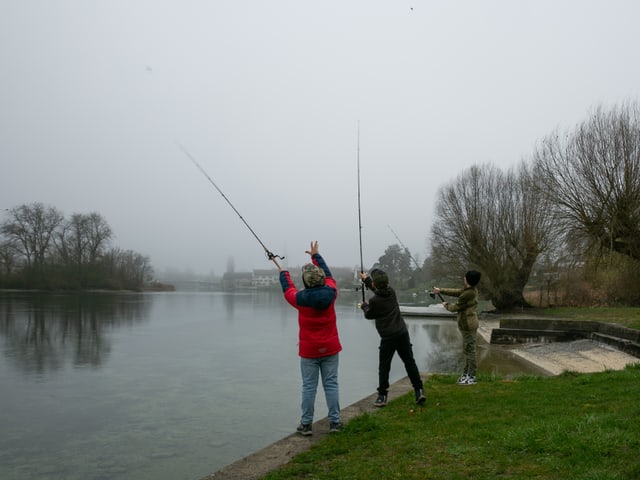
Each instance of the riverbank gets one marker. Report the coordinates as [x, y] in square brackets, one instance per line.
[581, 356]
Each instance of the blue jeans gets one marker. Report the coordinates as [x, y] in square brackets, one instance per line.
[327, 368]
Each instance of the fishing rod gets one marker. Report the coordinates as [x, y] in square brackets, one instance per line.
[271, 256]
[433, 295]
[403, 246]
[360, 214]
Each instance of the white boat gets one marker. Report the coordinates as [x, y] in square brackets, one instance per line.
[435, 310]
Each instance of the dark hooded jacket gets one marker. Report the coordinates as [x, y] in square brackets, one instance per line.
[384, 309]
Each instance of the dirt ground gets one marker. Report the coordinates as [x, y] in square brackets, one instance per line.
[582, 356]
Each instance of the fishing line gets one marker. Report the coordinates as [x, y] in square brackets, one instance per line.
[403, 246]
[360, 214]
[271, 256]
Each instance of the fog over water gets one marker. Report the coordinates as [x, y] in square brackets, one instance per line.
[268, 97]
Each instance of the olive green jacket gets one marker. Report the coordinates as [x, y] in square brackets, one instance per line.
[466, 307]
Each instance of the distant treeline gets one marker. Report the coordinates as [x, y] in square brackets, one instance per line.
[40, 248]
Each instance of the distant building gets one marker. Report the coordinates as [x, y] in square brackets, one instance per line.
[233, 280]
[265, 278]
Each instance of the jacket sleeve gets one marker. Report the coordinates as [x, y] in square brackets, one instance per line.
[451, 292]
[285, 280]
[373, 309]
[369, 284]
[319, 261]
[288, 287]
[466, 299]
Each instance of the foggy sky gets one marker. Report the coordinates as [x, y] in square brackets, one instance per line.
[96, 96]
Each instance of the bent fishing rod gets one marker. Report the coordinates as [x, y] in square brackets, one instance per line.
[271, 256]
[431, 293]
[360, 214]
[403, 246]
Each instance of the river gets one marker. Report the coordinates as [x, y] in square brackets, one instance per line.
[168, 386]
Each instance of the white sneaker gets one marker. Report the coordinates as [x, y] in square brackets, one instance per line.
[470, 380]
[463, 379]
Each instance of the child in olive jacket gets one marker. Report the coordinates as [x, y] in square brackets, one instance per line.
[466, 308]
[394, 336]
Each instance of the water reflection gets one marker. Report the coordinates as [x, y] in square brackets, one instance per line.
[436, 344]
[43, 332]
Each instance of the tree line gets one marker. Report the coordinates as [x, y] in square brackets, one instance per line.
[568, 218]
[40, 248]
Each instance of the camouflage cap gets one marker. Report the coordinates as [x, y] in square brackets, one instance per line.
[312, 276]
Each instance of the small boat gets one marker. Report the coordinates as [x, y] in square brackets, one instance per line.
[435, 310]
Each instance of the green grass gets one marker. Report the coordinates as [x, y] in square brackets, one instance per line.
[627, 316]
[574, 426]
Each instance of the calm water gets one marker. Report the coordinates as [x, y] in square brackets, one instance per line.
[172, 386]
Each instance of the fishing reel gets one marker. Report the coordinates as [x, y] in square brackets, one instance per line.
[432, 294]
[272, 256]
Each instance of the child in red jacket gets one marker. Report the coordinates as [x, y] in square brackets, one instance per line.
[319, 343]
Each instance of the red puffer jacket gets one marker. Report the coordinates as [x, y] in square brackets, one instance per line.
[318, 331]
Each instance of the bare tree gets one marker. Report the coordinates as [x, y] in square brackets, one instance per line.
[30, 230]
[495, 222]
[7, 258]
[83, 239]
[593, 177]
[128, 269]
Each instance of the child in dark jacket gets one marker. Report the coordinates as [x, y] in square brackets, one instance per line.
[394, 335]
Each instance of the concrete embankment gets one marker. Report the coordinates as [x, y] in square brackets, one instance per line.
[584, 356]
[587, 353]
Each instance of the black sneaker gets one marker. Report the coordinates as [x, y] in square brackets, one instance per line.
[304, 430]
[420, 398]
[381, 401]
[335, 427]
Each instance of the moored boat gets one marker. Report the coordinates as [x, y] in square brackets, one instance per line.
[435, 310]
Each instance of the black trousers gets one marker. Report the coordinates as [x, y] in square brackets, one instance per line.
[390, 345]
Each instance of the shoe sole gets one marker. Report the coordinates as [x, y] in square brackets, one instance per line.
[305, 434]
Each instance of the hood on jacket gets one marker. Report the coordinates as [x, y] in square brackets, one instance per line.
[384, 292]
[316, 297]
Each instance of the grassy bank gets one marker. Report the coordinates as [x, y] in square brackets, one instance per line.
[627, 316]
[578, 426]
